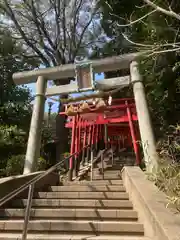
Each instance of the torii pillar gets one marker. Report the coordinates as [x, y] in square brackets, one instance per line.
[145, 125]
[34, 140]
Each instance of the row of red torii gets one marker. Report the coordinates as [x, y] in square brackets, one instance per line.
[119, 117]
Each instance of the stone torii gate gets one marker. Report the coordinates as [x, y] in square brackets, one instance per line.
[41, 76]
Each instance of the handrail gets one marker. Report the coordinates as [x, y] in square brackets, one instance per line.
[30, 184]
[86, 167]
[14, 193]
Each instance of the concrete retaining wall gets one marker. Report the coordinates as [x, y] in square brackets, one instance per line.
[9, 184]
[160, 223]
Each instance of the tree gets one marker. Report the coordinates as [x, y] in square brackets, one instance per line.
[145, 26]
[55, 32]
[15, 108]
[155, 27]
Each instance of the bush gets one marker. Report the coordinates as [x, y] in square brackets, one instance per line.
[15, 165]
[41, 164]
[167, 178]
[10, 136]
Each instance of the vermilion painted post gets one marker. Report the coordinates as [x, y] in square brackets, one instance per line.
[79, 135]
[84, 141]
[76, 143]
[89, 134]
[106, 135]
[99, 137]
[95, 136]
[76, 135]
[133, 135]
[72, 148]
[92, 149]
[89, 140]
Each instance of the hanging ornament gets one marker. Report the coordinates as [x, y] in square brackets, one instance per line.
[70, 111]
[101, 104]
[84, 108]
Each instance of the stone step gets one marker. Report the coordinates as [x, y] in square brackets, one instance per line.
[75, 203]
[87, 188]
[16, 236]
[94, 182]
[73, 214]
[108, 174]
[117, 167]
[107, 177]
[109, 171]
[120, 164]
[62, 226]
[123, 161]
[82, 195]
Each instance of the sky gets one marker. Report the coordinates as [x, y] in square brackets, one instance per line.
[32, 87]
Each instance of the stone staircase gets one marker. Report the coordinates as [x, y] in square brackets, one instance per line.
[112, 169]
[97, 210]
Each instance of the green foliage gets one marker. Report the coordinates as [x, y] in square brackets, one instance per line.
[162, 85]
[11, 136]
[167, 178]
[169, 146]
[12, 143]
[13, 146]
[15, 107]
[41, 164]
[15, 164]
[66, 154]
[160, 74]
[160, 71]
[46, 135]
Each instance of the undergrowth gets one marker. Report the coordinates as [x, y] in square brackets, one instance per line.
[167, 178]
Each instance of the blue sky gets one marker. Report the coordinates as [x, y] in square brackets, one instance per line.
[32, 87]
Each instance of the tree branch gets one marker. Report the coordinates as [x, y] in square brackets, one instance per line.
[59, 49]
[41, 24]
[164, 51]
[40, 28]
[162, 10]
[10, 13]
[82, 34]
[137, 20]
[173, 44]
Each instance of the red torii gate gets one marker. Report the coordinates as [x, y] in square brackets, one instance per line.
[88, 127]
